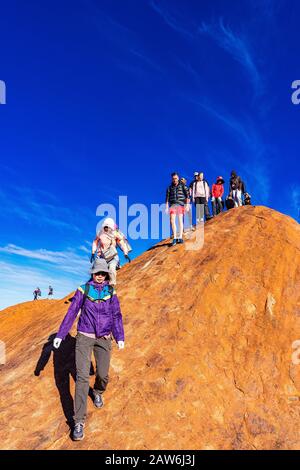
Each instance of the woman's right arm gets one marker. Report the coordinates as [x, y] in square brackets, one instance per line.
[71, 315]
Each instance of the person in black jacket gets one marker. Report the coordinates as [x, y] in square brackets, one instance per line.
[176, 198]
[190, 215]
[236, 189]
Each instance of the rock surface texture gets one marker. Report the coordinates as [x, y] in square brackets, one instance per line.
[208, 359]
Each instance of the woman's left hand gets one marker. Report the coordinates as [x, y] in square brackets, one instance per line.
[121, 344]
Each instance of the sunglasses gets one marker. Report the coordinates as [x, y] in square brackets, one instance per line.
[101, 273]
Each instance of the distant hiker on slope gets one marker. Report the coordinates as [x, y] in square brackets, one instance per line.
[176, 198]
[196, 175]
[247, 199]
[100, 318]
[50, 293]
[217, 195]
[200, 194]
[37, 293]
[229, 202]
[105, 246]
[184, 182]
[236, 189]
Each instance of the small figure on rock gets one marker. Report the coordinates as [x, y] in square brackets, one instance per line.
[105, 246]
[236, 189]
[217, 195]
[247, 199]
[229, 202]
[177, 202]
[37, 293]
[190, 215]
[200, 194]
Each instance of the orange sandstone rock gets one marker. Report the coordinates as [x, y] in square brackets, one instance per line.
[210, 336]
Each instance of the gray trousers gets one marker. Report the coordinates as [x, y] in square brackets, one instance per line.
[102, 352]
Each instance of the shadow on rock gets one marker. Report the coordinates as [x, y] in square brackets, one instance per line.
[64, 366]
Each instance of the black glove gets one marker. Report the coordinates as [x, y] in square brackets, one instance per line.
[128, 259]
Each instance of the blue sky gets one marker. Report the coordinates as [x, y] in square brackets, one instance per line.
[107, 98]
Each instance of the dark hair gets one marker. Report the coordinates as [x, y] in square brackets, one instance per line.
[174, 174]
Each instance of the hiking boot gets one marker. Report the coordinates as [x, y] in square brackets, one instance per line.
[78, 434]
[98, 401]
[180, 241]
[174, 241]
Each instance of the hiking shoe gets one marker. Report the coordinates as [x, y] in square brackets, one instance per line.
[98, 401]
[78, 434]
[174, 241]
[180, 241]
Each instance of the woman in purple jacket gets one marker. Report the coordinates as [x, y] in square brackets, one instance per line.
[100, 319]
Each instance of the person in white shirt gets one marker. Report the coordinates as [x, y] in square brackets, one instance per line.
[200, 193]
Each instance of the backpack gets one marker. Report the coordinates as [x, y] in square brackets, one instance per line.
[195, 182]
[87, 290]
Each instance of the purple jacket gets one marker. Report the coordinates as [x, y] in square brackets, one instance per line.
[100, 314]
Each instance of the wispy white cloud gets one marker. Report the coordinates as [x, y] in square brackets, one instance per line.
[188, 68]
[66, 261]
[255, 162]
[237, 46]
[85, 249]
[144, 58]
[170, 19]
[125, 40]
[34, 207]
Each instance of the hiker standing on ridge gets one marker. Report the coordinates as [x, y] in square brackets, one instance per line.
[50, 293]
[105, 246]
[183, 181]
[100, 318]
[37, 293]
[229, 202]
[236, 189]
[217, 195]
[196, 174]
[200, 195]
[247, 199]
[176, 198]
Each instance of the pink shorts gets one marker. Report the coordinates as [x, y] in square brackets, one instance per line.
[177, 210]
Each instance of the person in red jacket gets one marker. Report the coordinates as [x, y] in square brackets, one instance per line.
[217, 195]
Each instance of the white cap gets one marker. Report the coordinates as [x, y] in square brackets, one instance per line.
[109, 223]
[196, 173]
